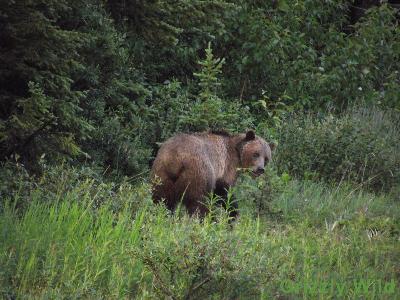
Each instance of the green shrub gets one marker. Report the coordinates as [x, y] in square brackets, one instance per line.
[209, 111]
[68, 183]
[15, 182]
[360, 145]
[169, 102]
[300, 49]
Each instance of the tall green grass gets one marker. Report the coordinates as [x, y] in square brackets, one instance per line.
[329, 243]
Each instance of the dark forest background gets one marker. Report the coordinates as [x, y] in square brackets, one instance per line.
[102, 83]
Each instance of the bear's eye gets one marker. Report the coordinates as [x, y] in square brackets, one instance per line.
[256, 155]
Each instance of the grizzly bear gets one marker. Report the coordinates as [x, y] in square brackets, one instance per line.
[190, 166]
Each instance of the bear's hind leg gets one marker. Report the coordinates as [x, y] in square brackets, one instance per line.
[192, 187]
[165, 192]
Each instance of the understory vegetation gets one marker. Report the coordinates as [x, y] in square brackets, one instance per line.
[85, 239]
[90, 89]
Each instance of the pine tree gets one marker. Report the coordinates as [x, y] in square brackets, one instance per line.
[211, 68]
[210, 112]
[39, 56]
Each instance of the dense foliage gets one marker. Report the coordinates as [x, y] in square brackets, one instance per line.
[104, 82]
[360, 146]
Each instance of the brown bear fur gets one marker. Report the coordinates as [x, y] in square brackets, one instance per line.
[191, 166]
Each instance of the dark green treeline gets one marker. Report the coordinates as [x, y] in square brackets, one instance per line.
[104, 81]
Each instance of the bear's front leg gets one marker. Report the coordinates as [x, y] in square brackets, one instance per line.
[230, 204]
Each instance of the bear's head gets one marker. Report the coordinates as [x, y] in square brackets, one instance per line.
[255, 153]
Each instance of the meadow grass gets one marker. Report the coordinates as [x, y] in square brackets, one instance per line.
[315, 242]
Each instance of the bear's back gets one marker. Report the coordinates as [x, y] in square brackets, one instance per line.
[183, 150]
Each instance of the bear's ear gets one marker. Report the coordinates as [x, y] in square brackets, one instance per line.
[250, 135]
[272, 146]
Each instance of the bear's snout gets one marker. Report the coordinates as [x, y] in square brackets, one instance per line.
[259, 171]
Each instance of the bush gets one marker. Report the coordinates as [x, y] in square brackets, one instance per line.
[361, 146]
[15, 182]
[210, 111]
[68, 183]
[306, 52]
